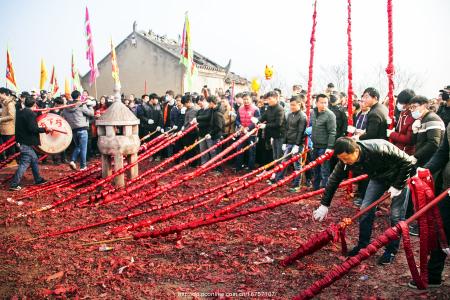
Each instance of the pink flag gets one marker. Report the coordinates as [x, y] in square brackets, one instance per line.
[90, 51]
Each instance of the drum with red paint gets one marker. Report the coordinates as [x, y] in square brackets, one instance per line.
[59, 139]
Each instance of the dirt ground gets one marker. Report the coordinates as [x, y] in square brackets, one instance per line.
[216, 261]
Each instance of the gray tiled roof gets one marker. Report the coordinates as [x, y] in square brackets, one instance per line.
[200, 60]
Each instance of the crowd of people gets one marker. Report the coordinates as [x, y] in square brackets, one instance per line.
[418, 139]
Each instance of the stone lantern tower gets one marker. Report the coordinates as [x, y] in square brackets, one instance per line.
[118, 139]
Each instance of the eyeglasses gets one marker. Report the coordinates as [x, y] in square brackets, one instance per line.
[413, 107]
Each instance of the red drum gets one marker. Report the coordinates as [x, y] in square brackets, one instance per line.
[58, 140]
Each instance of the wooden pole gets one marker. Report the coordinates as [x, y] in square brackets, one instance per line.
[95, 89]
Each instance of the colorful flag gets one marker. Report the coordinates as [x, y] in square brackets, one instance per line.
[115, 66]
[186, 55]
[43, 75]
[10, 76]
[76, 83]
[66, 88]
[53, 82]
[90, 51]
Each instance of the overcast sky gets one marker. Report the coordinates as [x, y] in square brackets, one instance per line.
[251, 33]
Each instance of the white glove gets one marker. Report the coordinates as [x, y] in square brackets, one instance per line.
[321, 213]
[158, 128]
[150, 121]
[182, 128]
[351, 129]
[91, 103]
[194, 121]
[254, 120]
[283, 147]
[271, 141]
[232, 114]
[389, 131]
[446, 251]
[174, 127]
[183, 110]
[162, 130]
[394, 192]
[416, 126]
[419, 170]
[262, 125]
[328, 150]
[388, 120]
[208, 136]
[295, 149]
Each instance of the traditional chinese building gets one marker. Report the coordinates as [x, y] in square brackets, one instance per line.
[149, 60]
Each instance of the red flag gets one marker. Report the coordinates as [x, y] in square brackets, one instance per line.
[10, 76]
[53, 82]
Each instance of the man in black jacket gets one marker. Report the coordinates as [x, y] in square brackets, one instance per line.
[217, 120]
[203, 118]
[217, 125]
[273, 121]
[27, 136]
[439, 164]
[323, 137]
[294, 138]
[168, 104]
[341, 122]
[388, 169]
[150, 115]
[377, 117]
[341, 117]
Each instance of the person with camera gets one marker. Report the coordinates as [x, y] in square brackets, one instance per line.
[444, 107]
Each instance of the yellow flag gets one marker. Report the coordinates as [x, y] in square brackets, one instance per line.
[67, 88]
[115, 66]
[43, 75]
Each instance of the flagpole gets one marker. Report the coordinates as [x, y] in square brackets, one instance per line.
[6, 79]
[95, 89]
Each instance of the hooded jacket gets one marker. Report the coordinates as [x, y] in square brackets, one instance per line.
[402, 137]
[78, 117]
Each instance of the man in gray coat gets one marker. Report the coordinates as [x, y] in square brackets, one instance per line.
[323, 136]
[78, 119]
